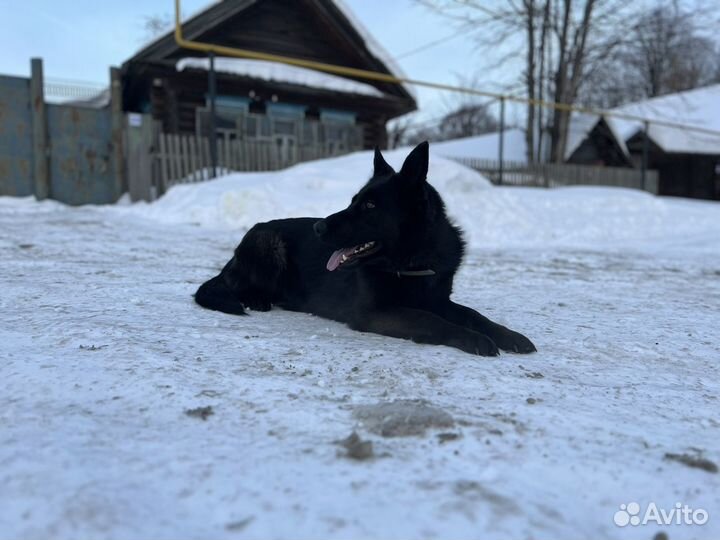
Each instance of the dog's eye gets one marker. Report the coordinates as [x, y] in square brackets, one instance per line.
[368, 205]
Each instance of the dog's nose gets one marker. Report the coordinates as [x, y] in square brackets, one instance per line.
[320, 227]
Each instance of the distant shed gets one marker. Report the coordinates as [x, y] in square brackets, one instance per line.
[687, 161]
[592, 141]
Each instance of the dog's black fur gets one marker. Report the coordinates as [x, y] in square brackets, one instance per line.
[399, 286]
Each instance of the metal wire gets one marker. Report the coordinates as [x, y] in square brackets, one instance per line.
[72, 89]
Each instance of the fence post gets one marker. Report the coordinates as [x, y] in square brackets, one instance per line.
[212, 88]
[117, 130]
[41, 150]
[139, 167]
[501, 143]
[646, 126]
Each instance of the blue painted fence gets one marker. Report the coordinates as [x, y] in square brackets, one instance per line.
[81, 155]
[80, 150]
[16, 154]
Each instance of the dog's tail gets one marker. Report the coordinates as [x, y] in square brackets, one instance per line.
[215, 294]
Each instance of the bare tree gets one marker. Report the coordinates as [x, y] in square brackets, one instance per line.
[570, 67]
[157, 25]
[561, 42]
[544, 53]
[716, 69]
[667, 53]
[467, 120]
[665, 50]
[528, 13]
[397, 132]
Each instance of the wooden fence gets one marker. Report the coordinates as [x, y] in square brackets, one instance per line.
[561, 174]
[186, 158]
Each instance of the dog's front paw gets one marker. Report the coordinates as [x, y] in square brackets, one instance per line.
[512, 341]
[476, 343]
[484, 346]
[258, 305]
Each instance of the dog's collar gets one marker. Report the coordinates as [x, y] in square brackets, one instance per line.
[415, 273]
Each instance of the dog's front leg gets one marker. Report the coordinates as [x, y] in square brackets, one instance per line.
[424, 327]
[506, 339]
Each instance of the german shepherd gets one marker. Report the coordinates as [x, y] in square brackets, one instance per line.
[385, 264]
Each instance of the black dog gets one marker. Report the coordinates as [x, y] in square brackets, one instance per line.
[385, 264]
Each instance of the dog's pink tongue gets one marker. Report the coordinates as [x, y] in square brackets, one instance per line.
[334, 260]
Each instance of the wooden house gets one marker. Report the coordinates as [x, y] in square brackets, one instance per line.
[687, 160]
[256, 100]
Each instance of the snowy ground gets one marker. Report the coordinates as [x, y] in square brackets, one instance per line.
[103, 351]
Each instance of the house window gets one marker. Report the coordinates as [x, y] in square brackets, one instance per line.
[286, 110]
[338, 131]
[286, 119]
[295, 128]
[227, 110]
[332, 116]
[229, 105]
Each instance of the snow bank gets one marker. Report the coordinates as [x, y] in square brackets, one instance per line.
[591, 217]
[584, 217]
[486, 146]
[315, 188]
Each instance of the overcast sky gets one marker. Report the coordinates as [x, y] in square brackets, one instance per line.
[80, 39]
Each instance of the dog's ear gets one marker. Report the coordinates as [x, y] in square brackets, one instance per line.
[415, 167]
[380, 166]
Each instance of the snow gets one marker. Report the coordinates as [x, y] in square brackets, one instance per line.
[104, 351]
[99, 101]
[486, 146]
[273, 71]
[699, 107]
[315, 188]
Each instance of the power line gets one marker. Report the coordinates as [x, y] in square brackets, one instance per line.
[468, 27]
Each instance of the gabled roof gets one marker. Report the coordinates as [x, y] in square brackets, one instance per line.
[329, 33]
[698, 107]
[582, 124]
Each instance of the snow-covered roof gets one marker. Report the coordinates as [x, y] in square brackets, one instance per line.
[699, 107]
[272, 71]
[581, 124]
[485, 146]
[99, 101]
[323, 81]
